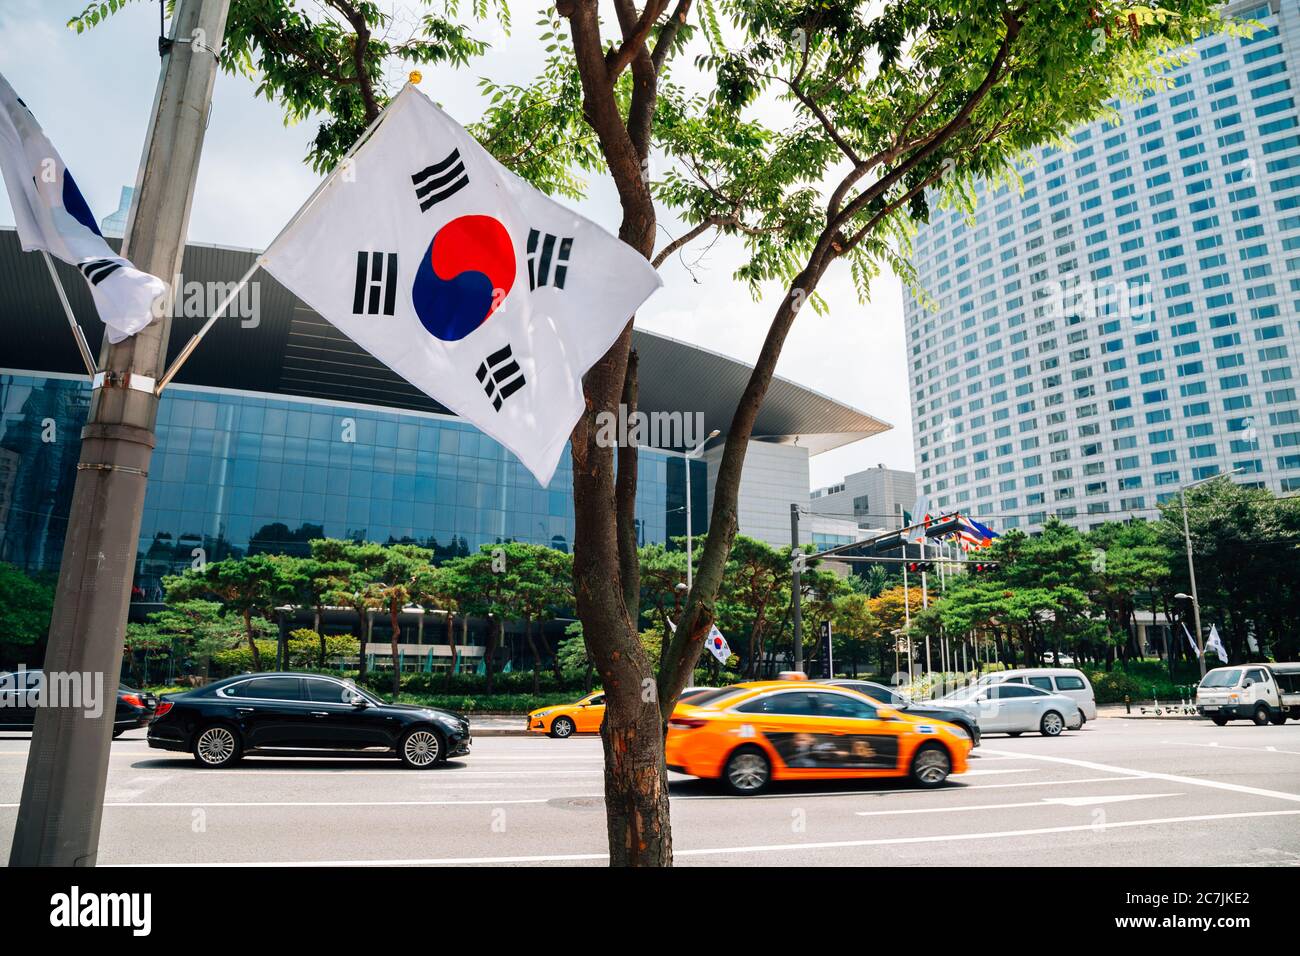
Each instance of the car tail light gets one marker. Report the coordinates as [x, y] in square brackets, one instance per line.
[133, 699]
[163, 707]
[686, 723]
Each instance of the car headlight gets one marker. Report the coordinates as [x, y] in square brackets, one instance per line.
[540, 713]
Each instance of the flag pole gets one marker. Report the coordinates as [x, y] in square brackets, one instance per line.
[197, 337]
[82, 345]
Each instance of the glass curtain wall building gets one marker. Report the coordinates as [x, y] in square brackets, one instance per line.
[237, 473]
[1128, 323]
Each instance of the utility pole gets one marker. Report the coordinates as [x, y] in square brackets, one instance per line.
[67, 764]
[796, 563]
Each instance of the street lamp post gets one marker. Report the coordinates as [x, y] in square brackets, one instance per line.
[695, 452]
[1191, 567]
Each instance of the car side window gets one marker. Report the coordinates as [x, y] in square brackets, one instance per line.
[1042, 683]
[326, 691]
[273, 688]
[1069, 683]
[799, 704]
[841, 705]
[1257, 675]
[596, 700]
[1015, 690]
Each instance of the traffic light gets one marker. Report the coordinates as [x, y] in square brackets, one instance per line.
[918, 567]
[981, 567]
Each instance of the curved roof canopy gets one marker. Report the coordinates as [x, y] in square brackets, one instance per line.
[291, 350]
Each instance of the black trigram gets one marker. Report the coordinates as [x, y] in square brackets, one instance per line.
[443, 179]
[376, 288]
[539, 264]
[500, 376]
[97, 270]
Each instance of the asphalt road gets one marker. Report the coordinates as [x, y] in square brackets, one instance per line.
[1119, 792]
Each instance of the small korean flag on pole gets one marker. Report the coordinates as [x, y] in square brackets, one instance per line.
[1215, 643]
[463, 279]
[52, 217]
[717, 644]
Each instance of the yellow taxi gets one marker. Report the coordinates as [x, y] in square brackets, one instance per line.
[565, 720]
[792, 730]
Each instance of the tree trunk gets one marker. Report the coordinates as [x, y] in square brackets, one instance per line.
[316, 622]
[362, 637]
[252, 644]
[393, 612]
[494, 633]
[537, 658]
[451, 643]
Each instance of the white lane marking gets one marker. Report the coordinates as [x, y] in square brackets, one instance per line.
[1171, 777]
[1218, 746]
[1045, 801]
[396, 770]
[993, 770]
[767, 848]
[332, 803]
[881, 793]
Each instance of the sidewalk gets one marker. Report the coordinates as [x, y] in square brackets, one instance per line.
[498, 725]
[1118, 710]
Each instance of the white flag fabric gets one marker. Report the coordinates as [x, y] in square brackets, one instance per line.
[920, 517]
[1214, 643]
[717, 644]
[462, 278]
[52, 216]
[1196, 651]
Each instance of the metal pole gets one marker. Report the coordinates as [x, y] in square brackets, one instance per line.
[686, 461]
[67, 764]
[82, 345]
[795, 586]
[907, 618]
[1191, 574]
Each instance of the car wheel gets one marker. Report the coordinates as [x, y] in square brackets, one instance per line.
[1261, 715]
[421, 748]
[217, 746]
[562, 727]
[1051, 725]
[931, 766]
[747, 772]
[1279, 718]
[1219, 720]
[1083, 719]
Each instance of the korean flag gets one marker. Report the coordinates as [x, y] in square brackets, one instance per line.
[463, 279]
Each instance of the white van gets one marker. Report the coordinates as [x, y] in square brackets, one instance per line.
[1068, 681]
[1260, 692]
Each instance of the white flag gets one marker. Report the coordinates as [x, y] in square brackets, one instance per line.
[1196, 651]
[717, 644]
[920, 518]
[1216, 645]
[463, 279]
[52, 216]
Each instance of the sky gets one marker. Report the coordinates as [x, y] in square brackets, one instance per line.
[93, 94]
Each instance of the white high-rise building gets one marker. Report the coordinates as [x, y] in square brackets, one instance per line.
[1128, 323]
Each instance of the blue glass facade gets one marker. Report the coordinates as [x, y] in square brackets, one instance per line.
[238, 472]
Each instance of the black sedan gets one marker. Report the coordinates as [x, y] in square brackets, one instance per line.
[900, 701]
[302, 715]
[20, 696]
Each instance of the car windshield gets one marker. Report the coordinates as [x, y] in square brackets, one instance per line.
[1226, 678]
[701, 697]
